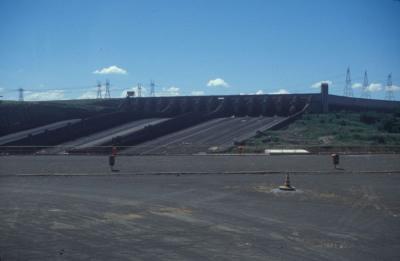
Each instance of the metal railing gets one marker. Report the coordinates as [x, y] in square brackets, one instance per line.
[190, 149]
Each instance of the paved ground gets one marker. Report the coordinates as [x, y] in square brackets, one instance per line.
[194, 217]
[216, 134]
[343, 215]
[10, 165]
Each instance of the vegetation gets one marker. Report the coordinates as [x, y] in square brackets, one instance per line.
[335, 129]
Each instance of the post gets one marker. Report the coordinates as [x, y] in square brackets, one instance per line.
[335, 160]
[111, 162]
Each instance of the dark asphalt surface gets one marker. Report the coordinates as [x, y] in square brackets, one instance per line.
[50, 165]
[200, 217]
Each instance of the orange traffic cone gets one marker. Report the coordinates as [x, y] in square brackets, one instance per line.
[286, 186]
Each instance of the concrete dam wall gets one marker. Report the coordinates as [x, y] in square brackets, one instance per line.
[224, 105]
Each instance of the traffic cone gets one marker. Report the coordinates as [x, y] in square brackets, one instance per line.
[286, 186]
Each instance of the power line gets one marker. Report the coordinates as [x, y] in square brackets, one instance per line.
[389, 89]
[348, 91]
[139, 90]
[365, 91]
[98, 90]
[107, 95]
[152, 89]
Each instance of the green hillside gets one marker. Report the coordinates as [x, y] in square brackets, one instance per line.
[330, 131]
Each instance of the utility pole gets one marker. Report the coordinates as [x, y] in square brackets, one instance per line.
[389, 89]
[348, 91]
[107, 95]
[152, 89]
[21, 94]
[139, 90]
[99, 96]
[365, 91]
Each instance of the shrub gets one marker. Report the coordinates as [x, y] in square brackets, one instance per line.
[369, 117]
[378, 138]
[390, 124]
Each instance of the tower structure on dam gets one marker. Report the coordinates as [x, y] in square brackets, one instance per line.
[325, 97]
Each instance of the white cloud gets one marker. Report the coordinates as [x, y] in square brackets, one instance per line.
[280, 91]
[318, 84]
[374, 87]
[356, 85]
[197, 93]
[171, 91]
[45, 96]
[218, 82]
[259, 92]
[88, 95]
[394, 88]
[113, 69]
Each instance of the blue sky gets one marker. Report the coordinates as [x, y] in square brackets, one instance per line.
[52, 48]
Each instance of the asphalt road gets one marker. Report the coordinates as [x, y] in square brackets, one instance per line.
[50, 165]
[200, 217]
[211, 135]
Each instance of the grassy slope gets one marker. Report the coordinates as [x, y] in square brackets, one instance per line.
[335, 129]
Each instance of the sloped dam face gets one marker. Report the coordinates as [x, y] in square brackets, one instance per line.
[193, 124]
[163, 125]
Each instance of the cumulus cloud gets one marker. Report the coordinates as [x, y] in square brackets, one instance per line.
[197, 93]
[280, 91]
[91, 94]
[113, 69]
[318, 84]
[374, 87]
[45, 96]
[259, 92]
[218, 82]
[356, 85]
[170, 91]
[393, 88]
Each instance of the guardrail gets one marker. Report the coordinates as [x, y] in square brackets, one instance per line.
[190, 149]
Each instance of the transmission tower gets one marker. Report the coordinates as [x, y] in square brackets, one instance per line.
[21, 94]
[98, 90]
[389, 89]
[365, 91]
[348, 91]
[152, 89]
[107, 95]
[139, 90]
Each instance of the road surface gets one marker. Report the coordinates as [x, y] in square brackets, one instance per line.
[200, 217]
